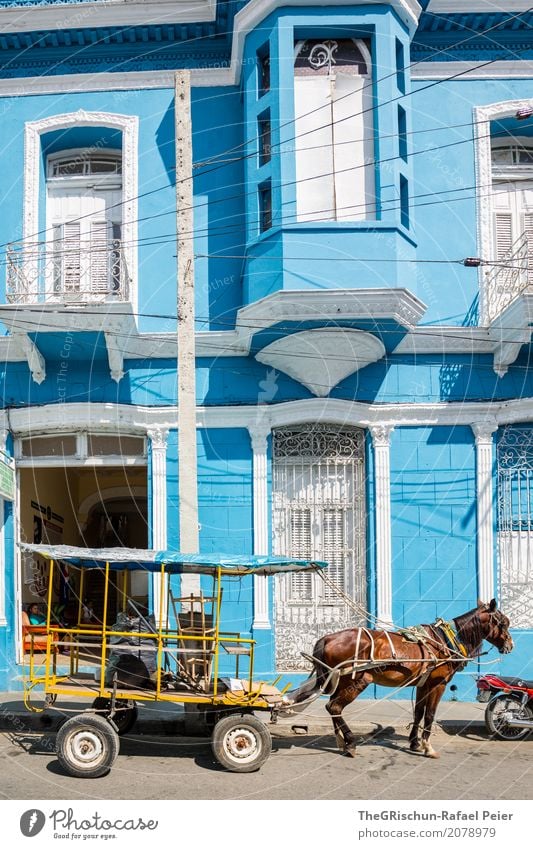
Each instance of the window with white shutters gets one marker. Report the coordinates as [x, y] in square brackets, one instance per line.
[84, 205]
[333, 130]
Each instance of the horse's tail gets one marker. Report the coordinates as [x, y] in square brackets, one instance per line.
[315, 684]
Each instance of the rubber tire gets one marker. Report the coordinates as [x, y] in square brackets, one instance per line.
[499, 730]
[254, 731]
[97, 729]
[124, 719]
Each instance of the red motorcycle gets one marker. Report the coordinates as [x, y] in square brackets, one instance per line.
[509, 712]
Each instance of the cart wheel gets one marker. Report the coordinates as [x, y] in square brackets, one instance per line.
[241, 743]
[124, 718]
[87, 746]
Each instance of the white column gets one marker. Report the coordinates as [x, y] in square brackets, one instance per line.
[483, 432]
[158, 438]
[381, 444]
[259, 436]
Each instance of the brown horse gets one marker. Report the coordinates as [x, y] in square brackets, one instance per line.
[428, 663]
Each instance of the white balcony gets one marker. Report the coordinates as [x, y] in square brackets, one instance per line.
[509, 302]
[511, 277]
[67, 272]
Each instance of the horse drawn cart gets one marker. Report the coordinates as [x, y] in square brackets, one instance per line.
[182, 656]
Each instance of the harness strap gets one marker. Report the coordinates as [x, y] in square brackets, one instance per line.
[391, 646]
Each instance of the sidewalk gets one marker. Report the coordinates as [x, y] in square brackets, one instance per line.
[364, 716]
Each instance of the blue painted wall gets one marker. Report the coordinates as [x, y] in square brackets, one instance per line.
[433, 511]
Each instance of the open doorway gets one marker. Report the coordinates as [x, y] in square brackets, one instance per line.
[94, 507]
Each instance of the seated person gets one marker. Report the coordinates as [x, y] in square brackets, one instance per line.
[35, 614]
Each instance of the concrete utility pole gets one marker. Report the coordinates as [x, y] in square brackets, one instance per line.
[187, 462]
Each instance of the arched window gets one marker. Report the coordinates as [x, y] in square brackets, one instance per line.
[84, 223]
[334, 142]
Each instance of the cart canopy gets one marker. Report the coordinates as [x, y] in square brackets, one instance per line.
[174, 561]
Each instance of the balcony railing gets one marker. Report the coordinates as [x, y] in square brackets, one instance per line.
[61, 271]
[511, 276]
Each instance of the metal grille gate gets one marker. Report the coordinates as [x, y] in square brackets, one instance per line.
[319, 512]
[515, 525]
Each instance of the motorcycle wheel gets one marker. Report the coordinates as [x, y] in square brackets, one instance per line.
[498, 712]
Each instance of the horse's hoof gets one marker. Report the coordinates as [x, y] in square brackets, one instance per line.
[431, 753]
[350, 752]
[415, 746]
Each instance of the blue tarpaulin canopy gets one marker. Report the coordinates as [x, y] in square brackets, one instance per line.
[175, 562]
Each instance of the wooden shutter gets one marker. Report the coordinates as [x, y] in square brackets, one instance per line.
[99, 257]
[333, 547]
[68, 252]
[504, 234]
[300, 546]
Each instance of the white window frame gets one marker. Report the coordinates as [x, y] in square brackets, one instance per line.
[129, 127]
[483, 116]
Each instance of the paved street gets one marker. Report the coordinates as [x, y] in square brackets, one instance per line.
[302, 767]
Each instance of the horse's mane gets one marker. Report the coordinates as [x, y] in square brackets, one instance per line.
[469, 627]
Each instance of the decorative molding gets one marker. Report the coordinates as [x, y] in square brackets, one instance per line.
[158, 437]
[259, 439]
[136, 419]
[475, 70]
[400, 305]
[488, 6]
[321, 358]
[510, 330]
[380, 434]
[483, 432]
[30, 17]
[34, 358]
[483, 115]
[129, 126]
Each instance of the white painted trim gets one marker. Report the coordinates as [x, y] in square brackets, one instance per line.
[228, 343]
[245, 20]
[483, 432]
[483, 115]
[259, 435]
[104, 81]
[320, 358]
[112, 13]
[459, 6]
[257, 10]
[125, 418]
[502, 69]
[129, 126]
[382, 510]
[158, 437]
[225, 76]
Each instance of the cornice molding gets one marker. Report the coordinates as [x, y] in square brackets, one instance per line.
[30, 17]
[124, 418]
[475, 70]
[488, 6]
[400, 305]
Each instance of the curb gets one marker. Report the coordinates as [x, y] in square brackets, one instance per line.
[50, 720]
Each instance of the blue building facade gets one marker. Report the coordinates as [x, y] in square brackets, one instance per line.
[364, 395]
